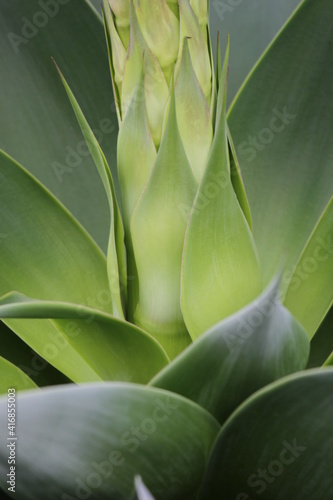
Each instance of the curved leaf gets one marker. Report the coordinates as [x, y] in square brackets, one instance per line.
[110, 348]
[45, 253]
[237, 181]
[158, 229]
[251, 27]
[277, 444]
[220, 271]
[190, 27]
[27, 360]
[11, 376]
[93, 440]
[322, 342]
[252, 348]
[116, 257]
[310, 292]
[37, 125]
[193, 115]
[279, 123]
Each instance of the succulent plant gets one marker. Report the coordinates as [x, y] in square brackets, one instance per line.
[170, 360]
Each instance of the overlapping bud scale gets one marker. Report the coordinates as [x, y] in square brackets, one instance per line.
[165, 92]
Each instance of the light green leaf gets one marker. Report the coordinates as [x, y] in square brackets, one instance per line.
[116, 257]
[277, 444]
[193, 115]
[121, 9]
[237, 181]
[283, 147]
[110, 348]
[93, 440]
[37, 125]
[252, 348]
[45, 253]
[329, 361]
[190, 27]
[117, 55]
[13, 377]
[135, 164]
[158, 230]
[322, 342]
[26, 359]
[200, 8]
[220, 267]
[310, 292]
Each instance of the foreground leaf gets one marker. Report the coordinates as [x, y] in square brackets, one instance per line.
[107, 348]
[277, 444]
[252, 348]
[93, 440]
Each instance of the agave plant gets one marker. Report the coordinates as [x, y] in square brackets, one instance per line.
[168, 357]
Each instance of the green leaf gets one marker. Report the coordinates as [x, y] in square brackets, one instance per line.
[329, 361]
[110, 348]
[252, 348]
[277, 444]
[193, 115]
[11, 376]
[283, 147]
[37, 124]
[237, 181]
[251, 27]
[322, 342]
[220, 267]
[190, 27]
[158, 229]
[116, 258]
[117, 55]
[135, 164]
[26, 359]
[93, 440]
[310, 292]
[44, 252]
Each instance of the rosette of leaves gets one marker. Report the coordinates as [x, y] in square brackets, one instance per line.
[158, 310]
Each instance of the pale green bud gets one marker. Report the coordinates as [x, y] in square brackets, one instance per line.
[200, 9]
[199, 48]
[121, 10]
[193, 115]
[118, 50]
[160, 29]
[155, 86]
